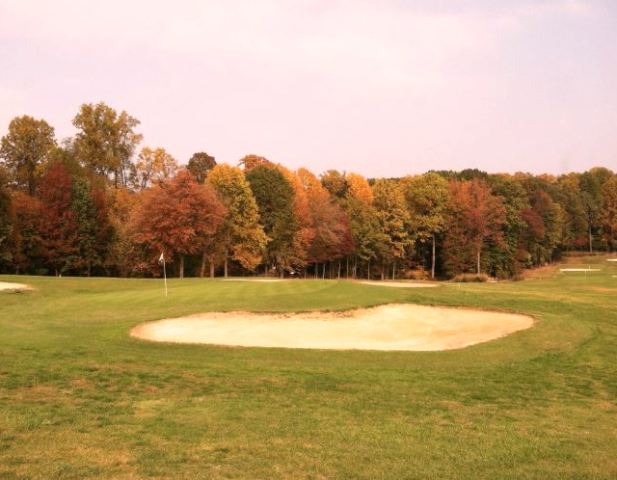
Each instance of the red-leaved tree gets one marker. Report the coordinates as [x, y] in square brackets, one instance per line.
[58, 227]
[178, 217]
[476, 218]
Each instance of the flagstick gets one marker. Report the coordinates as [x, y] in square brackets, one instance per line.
[165, 276]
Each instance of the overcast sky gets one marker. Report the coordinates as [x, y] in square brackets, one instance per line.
[383, 88]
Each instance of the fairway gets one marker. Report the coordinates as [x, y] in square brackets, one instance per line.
[80, 398]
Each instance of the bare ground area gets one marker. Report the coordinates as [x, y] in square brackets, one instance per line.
[14, 286]
[388, 327]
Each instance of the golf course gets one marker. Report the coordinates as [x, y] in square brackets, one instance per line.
[81, 398]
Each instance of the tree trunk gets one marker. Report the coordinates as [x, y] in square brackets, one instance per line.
[339, 269]
[323, 272]
[383, 272]
[590, 240]
[181, 266]
[225, 266]
[31, 182]
[211, 269]
[394, 270]
[368, 269]
[433, 260]
[202, 267]
[478, 262]
[347, 266]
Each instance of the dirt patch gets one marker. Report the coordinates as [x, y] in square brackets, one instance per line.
[14, 287]
[389, 327]
[401, 284]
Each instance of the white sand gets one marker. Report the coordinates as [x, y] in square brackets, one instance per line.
[579, 269]
[389, 327]
[611, 259]
[400, 284]
[14, 286]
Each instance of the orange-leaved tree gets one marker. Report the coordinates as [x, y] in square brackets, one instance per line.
[179, 217]
[332, 239]
[476, 217]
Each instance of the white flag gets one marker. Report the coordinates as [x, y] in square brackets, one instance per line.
[161, 259]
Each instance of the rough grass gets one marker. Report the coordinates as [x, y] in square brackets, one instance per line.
[79, 398]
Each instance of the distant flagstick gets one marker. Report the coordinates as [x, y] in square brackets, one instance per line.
[162, 262]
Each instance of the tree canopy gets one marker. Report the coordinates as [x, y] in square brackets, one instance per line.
[100, 203]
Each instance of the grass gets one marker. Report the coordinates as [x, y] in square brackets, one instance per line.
[79, 398]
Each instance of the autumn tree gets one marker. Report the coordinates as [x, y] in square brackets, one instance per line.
[248, 162]
[568, 194]
[543, 219]
[200, 164]
[336, 183]
[28, 252]
[106, 141]
[123, 255]
[332, 235]
[305, 231]
[591, 183]
[153, 165]
[178, 217]
[608, 212]
[363, 222]
[359, 188]
[94, 230]
[275, 196]
[25, 148]
[58, 226]
[241, 237]
[394, 224]
[427, 200]
[7, 219]
[476, 218]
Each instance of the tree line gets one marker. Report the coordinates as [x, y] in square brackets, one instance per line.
[97, 204]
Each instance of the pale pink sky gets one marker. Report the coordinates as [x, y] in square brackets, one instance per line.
[383, 88]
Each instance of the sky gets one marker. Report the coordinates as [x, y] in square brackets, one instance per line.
[382, 88]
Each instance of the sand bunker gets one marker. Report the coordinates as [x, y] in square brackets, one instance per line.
[611, 259]
[402, 284]
[15, 287]
[389, 327]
